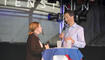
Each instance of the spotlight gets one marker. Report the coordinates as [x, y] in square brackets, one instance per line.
[59, 17]
[52, 16]
[55, 17]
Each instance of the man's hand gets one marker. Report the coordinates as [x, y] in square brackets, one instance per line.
[69, 38]
[61, 35]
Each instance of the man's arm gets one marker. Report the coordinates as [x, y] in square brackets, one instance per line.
[80, 43]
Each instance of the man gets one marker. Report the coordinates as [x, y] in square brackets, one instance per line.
[74, 32]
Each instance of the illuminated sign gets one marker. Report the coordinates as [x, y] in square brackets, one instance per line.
[28, 4]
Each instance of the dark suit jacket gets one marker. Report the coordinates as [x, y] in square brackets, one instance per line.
[33, 48]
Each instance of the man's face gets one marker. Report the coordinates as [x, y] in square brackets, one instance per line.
[68, 19]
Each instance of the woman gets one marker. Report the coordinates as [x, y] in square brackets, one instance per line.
[34, 46]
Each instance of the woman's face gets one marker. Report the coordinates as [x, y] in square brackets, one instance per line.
[38, 30]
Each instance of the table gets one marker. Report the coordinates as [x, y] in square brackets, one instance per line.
[74, 54]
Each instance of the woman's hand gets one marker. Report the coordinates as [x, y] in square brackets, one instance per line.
[47, 46]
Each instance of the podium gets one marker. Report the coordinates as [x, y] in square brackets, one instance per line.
[74, 54]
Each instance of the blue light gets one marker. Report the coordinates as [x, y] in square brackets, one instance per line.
[48, 16]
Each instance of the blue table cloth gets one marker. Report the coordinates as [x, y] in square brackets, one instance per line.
[74, 54]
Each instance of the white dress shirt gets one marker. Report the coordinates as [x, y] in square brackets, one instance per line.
[76, 32]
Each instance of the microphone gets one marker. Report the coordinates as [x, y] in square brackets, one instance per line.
[65, 26]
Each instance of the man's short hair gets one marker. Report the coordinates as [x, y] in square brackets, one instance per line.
[71, 13]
